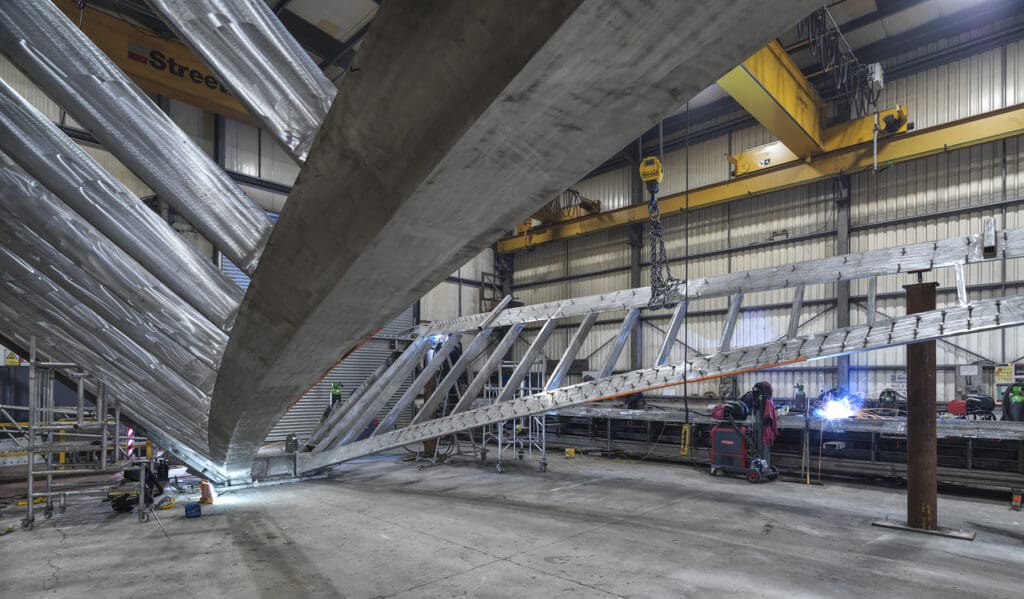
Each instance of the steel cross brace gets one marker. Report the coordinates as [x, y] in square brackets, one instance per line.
[979, 316]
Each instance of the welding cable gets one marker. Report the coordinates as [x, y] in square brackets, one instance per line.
[653, 447]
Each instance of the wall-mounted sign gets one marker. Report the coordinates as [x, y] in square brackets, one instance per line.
[157, 65]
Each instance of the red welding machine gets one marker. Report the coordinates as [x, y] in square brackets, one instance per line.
[729, 455]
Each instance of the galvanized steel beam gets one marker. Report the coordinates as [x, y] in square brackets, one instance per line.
[51, 157]
[976, 317]
[526, 361]
[909, 258]
[58, 342]
[672, 334]
[68, 66]
[358, 418]
[476, 348]
[427, 374]
[40, 298]
[620, 341]
[571, 350]
[268, 71]
[493, 362]
[63, 282]
[66, 231]
[339, 412]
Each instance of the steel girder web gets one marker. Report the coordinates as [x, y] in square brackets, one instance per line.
[971, 318]
[465, 118]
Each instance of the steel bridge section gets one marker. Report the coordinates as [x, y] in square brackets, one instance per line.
[974, 317]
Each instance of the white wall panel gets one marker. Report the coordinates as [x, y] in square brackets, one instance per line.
[949, 92]
[611, 189]
[275, 164]
[959, 179]
[707, 165]
[268, 200]
[28, 90]
[241, 148]
[751, 137]
[120, 172]
[196, 123]
[1014, 73]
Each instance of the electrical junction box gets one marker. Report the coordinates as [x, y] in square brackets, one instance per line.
[876, 78]
[988, 237]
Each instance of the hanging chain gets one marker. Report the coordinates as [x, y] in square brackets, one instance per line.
[663, 284]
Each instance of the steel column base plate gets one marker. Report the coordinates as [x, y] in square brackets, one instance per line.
[963, 535]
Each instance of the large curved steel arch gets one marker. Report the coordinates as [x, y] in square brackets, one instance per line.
[463, 119]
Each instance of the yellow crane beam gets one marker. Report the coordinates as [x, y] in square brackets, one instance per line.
[774, 91]
[991, 126]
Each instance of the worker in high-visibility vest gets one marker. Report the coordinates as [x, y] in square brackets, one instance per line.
[335, 400]
[1013, 403]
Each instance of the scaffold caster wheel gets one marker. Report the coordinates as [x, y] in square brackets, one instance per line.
[28, 523]
[48, 513]
[62, 509]
[753, 476]
[499, 468]
[543, 467]
[520, 456]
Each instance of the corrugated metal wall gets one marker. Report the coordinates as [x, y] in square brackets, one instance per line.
[302, 418]
[932, 198]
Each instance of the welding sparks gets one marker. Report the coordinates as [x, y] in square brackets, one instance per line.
[836, 409]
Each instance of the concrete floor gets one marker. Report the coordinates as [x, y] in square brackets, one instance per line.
[589, 527]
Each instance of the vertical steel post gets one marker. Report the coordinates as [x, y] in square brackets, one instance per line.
[117, 429]
[142, 491]
[33, 402]
[843, 287]
[81, 399]
[48, 420]
[101, 416]
[636, 244]
[922, 460]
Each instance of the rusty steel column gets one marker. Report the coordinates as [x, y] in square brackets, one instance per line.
[922, 460]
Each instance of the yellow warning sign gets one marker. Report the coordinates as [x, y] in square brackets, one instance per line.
[11, 359]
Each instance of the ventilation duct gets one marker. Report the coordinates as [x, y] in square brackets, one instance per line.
[269, 72]
[44, 43]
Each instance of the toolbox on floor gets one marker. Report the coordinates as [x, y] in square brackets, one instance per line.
[193, 510]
